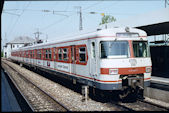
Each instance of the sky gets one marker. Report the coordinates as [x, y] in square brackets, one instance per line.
[57, 18]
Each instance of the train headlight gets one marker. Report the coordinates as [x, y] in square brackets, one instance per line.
[113, 71]
[148, 69]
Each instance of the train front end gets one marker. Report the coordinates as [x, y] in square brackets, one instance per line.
[125, 62]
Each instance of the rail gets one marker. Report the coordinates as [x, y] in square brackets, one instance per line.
[63, 108]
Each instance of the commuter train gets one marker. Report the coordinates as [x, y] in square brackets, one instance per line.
[106, 59]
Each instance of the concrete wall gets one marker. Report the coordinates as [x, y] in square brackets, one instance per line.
[157, 94]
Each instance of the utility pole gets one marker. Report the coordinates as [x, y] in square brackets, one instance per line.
[46, 37]
[37, 34]
[80, 21]
[166, 3]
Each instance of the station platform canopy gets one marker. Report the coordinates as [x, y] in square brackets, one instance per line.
[154, 23]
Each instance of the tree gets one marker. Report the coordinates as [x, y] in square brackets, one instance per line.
[2, 54]
[107, 19]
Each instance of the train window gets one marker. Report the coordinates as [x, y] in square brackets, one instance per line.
[65, 54]
[60, 54]
[27, 54]
[140, 49]
[30, 54]
[46, 54]
[49, 53]
[82, 54]
[39, 54]
[114, 49]
[93, 50]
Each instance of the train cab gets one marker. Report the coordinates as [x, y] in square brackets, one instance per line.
[123, 59]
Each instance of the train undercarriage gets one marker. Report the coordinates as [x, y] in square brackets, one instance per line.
[132, 86]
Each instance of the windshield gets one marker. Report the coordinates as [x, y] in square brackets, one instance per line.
[140, 49]
[114, 49]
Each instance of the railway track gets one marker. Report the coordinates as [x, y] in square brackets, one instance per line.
[139, 105]
[153, 104]
[37, 98]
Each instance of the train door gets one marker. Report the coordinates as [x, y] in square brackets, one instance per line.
[35, 55]
[73, 59]
[93, 66]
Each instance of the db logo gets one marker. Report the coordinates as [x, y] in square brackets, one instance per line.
[48, 63]
[133, 62]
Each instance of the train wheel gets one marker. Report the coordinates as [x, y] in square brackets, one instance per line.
[124, 92]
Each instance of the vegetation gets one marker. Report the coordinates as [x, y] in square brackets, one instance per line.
[107, 19]
[2, 54]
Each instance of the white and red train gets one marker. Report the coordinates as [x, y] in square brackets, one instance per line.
[107, 59]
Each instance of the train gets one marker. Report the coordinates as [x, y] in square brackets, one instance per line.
[111, 59]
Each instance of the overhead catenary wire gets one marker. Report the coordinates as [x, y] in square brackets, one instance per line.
[53, 11]
[62, 19]
[11, 13]
[18, 19]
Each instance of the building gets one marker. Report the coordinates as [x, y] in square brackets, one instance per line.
[16, 43]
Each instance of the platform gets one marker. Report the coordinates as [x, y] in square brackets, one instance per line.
[8, 100]
[160, 80]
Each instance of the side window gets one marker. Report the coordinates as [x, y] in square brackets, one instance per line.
[65, 54]
[82, 54]
[50, 53]
[60, 54]
[93, 50]
[39, 54]
[26, 54]
[30, 54]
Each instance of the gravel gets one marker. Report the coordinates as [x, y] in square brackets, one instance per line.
[40, 102]
[72, 100]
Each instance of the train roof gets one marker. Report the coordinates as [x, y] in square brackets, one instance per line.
[96, 33]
